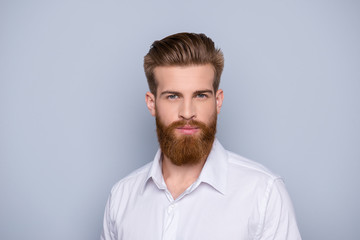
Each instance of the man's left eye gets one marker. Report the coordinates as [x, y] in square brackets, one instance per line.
[201, 95]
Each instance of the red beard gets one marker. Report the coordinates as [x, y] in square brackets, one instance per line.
[186, 149]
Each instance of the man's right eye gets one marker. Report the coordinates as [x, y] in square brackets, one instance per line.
[172, 96]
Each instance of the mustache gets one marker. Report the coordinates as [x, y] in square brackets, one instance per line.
[192, 123]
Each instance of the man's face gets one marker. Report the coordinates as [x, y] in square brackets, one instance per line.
[186, 109]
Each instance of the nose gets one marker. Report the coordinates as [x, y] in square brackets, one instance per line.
[187, 110]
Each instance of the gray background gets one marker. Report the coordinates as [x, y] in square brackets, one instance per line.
[73, 120]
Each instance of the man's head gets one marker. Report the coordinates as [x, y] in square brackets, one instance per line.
[183, 72]
[183, 49]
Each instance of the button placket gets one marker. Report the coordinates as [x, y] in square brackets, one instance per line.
[171, 222]
[170, 208]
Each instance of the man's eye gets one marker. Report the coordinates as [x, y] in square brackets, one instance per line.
[173, 96]
[201, 95]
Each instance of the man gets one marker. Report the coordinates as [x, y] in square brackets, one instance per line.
[194, 188]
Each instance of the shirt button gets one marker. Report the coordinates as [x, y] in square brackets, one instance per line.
[171, 208]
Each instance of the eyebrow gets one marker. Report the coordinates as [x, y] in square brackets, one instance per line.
[195, 93]
[170, 92]
[204, 91]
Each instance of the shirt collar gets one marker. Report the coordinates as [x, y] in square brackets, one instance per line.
[155, 173]
[213, 173]
[215, 169]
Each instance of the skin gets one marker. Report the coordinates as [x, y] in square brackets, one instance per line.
[184, 92]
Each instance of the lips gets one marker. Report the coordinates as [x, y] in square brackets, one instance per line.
[187, 129]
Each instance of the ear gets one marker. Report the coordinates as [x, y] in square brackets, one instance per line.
[219, 100]
[150, 103]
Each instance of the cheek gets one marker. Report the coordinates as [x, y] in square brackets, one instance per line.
[206, 113]
[167, 114]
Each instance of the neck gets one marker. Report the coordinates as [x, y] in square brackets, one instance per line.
[179, 178]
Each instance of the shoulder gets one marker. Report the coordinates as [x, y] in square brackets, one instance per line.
[126, 191]
[239, 163]
[133, 181]
[244, 173]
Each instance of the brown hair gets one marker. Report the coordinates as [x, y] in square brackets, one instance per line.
[183, 49]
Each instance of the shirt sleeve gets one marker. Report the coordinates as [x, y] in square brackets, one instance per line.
[108, 229]
[279, 222]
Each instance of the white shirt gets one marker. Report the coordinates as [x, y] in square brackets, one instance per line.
[233, 198]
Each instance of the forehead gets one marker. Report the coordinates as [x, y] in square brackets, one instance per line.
[184, 78]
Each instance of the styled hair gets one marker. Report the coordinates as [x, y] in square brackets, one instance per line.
[183, 49]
